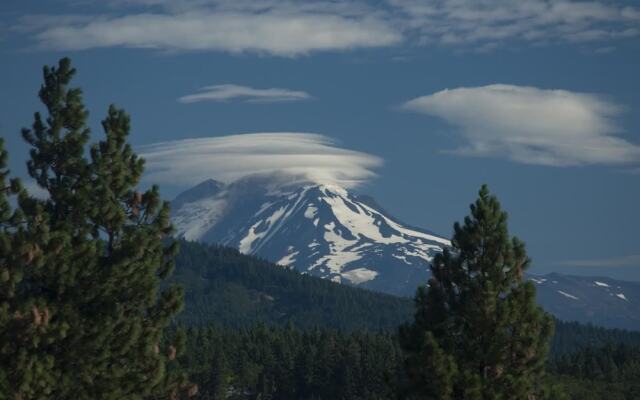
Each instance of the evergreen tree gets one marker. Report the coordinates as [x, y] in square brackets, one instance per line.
[24, 372]
[87, 318]
[16, 252]
[478, 333]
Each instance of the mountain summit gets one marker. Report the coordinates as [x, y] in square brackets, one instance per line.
[319, 229]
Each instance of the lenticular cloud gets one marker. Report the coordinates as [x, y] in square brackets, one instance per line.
[313, 157]
[531, 125]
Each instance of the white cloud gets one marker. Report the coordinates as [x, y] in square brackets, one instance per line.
[291, 28]
[622, 261]
[229, 158]
[531, 125]
[276, 28]
[469, 23]
[247, 94]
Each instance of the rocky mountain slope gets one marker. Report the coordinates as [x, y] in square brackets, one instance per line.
[322, 230]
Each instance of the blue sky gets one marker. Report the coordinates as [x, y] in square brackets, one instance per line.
[538, 98]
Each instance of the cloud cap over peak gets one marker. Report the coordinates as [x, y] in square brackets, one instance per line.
[230, 158]
[531, 125]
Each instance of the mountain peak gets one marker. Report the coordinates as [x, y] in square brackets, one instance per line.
[208, 188]
[317, 228]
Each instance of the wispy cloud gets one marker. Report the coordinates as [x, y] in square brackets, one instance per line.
[227, 92]
[292, 28]
[313, 157]
[472, 23]
[623, 261]
[531, 125]
[276, 28]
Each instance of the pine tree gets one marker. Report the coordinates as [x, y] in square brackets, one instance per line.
[90, 316]
[24, 320]
[478, 333]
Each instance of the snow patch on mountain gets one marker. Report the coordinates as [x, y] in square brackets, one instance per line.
[360, 275]
[204, 213]
[565, 294]
[260, 229]
[289, 258]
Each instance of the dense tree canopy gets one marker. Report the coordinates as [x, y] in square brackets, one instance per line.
[285, 363]
[82, 315]
[223, 286]
[262, 362]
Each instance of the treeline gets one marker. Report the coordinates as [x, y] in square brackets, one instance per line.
[268, 362]
[611, 372]
[285, 363]
[572, 337]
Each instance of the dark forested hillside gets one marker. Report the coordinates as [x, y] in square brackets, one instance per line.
[226, 287]
[571, 337]
[609, 372]
[285, 363]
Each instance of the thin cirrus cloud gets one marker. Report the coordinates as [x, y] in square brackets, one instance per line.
[488, 24]
[622, 261]
[293, 28]
[531, 125]
[229, 92]
[307, 156]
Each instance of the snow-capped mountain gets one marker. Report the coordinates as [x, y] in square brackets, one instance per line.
[325, 231]
[320, 229]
